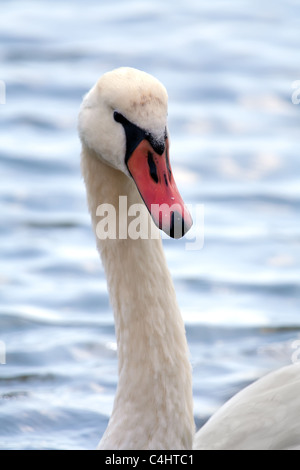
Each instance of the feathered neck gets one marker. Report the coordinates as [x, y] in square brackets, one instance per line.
[153, 407]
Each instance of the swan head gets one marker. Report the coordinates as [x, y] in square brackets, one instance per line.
[123, 119]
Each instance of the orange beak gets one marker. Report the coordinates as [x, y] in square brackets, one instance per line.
[154, 179]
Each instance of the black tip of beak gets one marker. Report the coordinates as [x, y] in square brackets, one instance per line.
[178, 227]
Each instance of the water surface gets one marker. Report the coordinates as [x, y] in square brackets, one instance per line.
[229, 69]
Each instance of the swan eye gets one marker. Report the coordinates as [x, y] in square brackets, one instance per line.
[118, 117]
[135, 135]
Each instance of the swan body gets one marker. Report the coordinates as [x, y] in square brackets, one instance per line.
[263, 416]
[125, 145]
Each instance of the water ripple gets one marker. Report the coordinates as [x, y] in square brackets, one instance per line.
[229, 71]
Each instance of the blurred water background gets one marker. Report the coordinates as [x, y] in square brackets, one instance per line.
[229, 68]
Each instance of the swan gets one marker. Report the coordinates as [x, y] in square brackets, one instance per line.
[125, 156]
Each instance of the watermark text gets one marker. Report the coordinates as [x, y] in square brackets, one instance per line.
[133, 222]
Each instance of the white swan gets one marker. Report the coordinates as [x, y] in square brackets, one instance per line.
[123, 129]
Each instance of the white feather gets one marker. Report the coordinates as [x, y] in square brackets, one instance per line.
[153, 407]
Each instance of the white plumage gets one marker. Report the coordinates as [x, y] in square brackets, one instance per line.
[153, 407]
[263, 416]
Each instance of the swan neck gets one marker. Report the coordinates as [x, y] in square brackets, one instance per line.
[155, 385]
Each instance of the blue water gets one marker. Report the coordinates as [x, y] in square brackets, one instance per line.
[229, 69]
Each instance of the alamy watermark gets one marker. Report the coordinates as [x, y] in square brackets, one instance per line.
[2, 92]
[296, 93]
[2, 353]
[132, 221]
